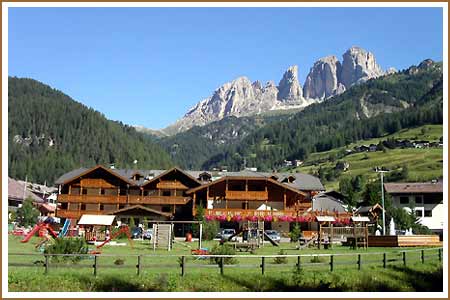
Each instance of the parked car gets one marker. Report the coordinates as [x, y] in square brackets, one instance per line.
[148, 234]
[274, 235]
[226, 233]
[136, 233]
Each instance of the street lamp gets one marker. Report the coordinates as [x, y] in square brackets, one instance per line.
[381, 171]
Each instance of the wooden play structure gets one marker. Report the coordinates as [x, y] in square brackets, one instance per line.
[404, 240]
[357, 235]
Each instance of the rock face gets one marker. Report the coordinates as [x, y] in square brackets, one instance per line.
[241, 97]
[323, 80]
[328, 77]
[358, 65]
[289, 90]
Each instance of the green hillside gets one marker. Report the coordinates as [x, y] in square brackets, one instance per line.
[421, 164]
[50, 134]
[378, 107]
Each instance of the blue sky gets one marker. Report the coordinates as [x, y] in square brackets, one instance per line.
[148, 66]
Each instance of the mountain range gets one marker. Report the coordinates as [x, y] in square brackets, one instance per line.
[242, 97]
[49, 133]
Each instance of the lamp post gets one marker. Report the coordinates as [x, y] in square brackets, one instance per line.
[381, 171]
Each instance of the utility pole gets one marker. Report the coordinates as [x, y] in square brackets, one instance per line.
[381, 171]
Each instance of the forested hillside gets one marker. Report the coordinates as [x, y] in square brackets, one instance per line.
[192, 148]
[382, 106]
[49, 134]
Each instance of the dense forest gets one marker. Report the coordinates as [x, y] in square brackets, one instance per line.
[382, 106]
[50, 134]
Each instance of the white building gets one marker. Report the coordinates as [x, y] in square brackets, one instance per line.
[426, 198]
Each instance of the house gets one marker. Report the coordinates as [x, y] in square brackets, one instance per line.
[329, 201]
[373, 148]
[18, 192]
[175, 194]
[425, 198]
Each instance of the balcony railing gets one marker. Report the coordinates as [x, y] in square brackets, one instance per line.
[249, 212]
[246, 195]
[130, 199]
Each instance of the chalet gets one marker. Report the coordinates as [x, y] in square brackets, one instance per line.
[425, 198]
[175, 194]
[18, 192]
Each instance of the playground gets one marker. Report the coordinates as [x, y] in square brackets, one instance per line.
[185, 263]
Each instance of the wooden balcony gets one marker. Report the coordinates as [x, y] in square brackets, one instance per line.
[105, 199]
[247, 195]
[76, 214]
[131, 199]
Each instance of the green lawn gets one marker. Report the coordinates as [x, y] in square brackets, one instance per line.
[161, 271]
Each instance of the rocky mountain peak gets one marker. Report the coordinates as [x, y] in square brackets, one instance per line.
[289, 88]
[358, 65]
[323, 80]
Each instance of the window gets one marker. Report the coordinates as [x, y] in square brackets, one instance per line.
[428, 213]
[64, 205]
[419, 213]
[102, 207]
[121, 206]
[83, 206]
[166, 193]
[419, 200]
[404, 200]
[84, 191]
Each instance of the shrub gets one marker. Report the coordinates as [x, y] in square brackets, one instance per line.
[317, 259]
[67, 246]
[119, 261]
[281, 259]
[295, 233]
[224, 249]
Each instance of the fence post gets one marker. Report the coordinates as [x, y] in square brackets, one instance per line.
[139, 265]
[263, 265]
[404, 258]
[423, 256]
[440, 254]
[384, 260]
[359, 262]
[298, 263]
[331, 262]
[221, 266]
[182, 265]
[95, 265]
[46, 263]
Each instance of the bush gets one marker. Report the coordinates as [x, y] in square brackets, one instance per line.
[295, 233]
[281, 260]
[224, 249]
[67, 246]
[119, 261]
[317, 259]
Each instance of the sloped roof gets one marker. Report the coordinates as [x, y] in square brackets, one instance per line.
[414, 187]
[301, 182]
[16, 191]
[324, 202]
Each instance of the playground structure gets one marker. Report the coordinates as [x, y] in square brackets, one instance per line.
[357, 235]
[43, 229]
[252, 237]
[123, 229]
[65, 228]
[163, 236]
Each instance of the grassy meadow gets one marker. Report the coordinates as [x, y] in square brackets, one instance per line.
[423, 164]
[161, 270]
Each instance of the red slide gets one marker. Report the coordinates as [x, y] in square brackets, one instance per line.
[36, 229]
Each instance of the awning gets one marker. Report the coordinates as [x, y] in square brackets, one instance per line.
[265, 207]
[96, 220]
[325, 219]
[360, 219]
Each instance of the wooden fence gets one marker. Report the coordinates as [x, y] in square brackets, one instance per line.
[359, 259]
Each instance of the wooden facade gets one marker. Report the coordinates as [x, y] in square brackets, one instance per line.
[101, 191]
[175, 195]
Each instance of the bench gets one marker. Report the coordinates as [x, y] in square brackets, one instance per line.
[244, 246]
